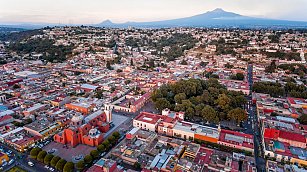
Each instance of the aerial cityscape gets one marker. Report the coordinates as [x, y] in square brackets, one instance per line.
[212, 91]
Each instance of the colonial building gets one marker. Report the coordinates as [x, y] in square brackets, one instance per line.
[87, 130]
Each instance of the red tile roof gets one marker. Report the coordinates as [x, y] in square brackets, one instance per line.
[148, 117]
[292, 136]
[6, 117]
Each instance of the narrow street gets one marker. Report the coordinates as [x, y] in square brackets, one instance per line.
[253, 118]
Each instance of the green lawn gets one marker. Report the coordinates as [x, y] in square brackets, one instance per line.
[17, 169]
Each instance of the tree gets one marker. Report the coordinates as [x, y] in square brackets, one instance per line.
[190, 112]
[162, 103]
[99, 94]
[198, 109]
[60, 164]
[69, 167]
[238, 101]
[137, 166]
[48, 159]
[80, 165]
[240, 76]
[156, 94]
[34, 152]
[88, 159]
[179, 97]
[106, 144]
[229, 66]
[303, 119]
[209, 114]
[116, 135]
[94, 154]
[16, 86]
[184, 62]
[101, 148]
[271, 68]
[237, 115]
[108, 65]
[54, 161]
[272, 88]
[127, 82]
[111, 139]
[223, 101]
[206, 97]
[41, 155]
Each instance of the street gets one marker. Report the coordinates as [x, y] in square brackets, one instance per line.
[253, 119]
[21, 160]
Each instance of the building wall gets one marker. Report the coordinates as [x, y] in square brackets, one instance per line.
[183, 134]
[293, 143]
[87, 140]
[166, 131]
[78, 108]
[298, 161]
[80, 136]
[206, 138]
[235, 146]
[144, 125]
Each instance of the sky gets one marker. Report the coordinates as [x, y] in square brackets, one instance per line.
[96, 11]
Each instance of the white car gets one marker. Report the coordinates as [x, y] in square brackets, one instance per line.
[51, 169]
[30, 164]
[46, 166]
[11, 161]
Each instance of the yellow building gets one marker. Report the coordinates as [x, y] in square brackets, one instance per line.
[3, 158]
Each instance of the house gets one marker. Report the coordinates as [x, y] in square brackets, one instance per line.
[60, 101]
[19, 139]
[104, 165]
[6, 119]
[34, 109]
[294, 139]
[236, 140]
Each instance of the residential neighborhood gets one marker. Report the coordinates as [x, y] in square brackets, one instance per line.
[168, 99]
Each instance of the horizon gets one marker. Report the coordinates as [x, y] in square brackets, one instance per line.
[80, 12]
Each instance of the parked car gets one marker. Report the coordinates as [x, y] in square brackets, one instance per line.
[11, 161]
[4, 163]
[30, 163]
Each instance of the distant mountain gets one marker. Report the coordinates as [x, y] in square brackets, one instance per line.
[215, 18]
